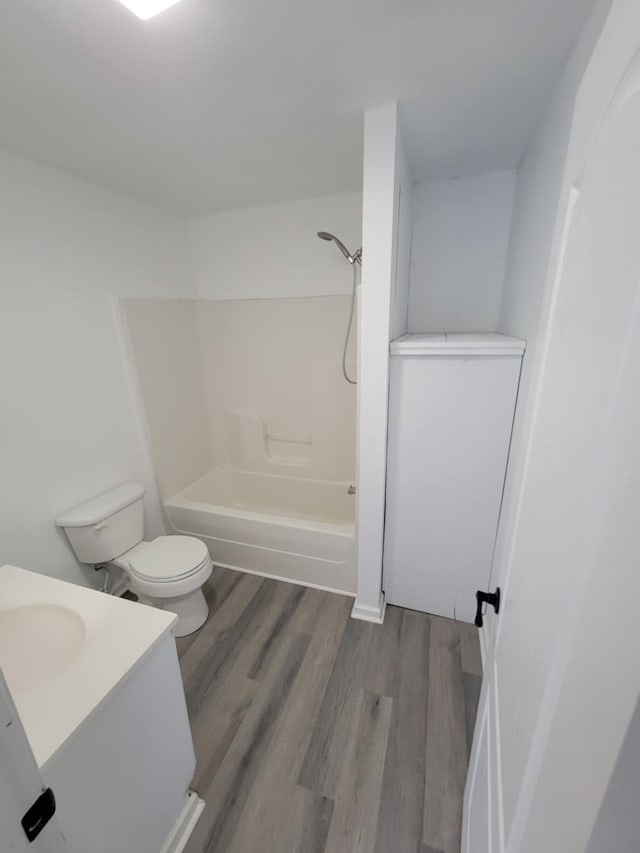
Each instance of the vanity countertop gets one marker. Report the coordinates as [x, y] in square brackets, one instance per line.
[64, 649]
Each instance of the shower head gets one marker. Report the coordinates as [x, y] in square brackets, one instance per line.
[324, 235]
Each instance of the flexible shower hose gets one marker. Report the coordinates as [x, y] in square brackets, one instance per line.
[349, 327]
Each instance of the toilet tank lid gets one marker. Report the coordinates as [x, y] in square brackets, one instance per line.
[102, 506]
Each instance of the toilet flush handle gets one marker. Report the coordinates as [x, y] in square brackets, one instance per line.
[101, 525]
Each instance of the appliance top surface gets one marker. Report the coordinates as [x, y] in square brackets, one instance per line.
[457, 343]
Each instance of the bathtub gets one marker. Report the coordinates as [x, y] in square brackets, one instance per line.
[289, 528]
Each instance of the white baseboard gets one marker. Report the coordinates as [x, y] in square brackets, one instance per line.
[184, 826]
[286, 579]
[482, 637]
[369, 613]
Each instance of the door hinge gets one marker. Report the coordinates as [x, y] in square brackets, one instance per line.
[39, 814]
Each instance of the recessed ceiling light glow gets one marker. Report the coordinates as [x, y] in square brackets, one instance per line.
[147, 8]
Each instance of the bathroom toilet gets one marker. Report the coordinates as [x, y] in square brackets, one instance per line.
[166, 572]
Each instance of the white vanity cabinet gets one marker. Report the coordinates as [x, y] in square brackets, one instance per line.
[96, 684]
[451, 408]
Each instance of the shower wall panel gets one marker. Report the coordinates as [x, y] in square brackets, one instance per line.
[256, 384]
[163, 342]
[276, 397]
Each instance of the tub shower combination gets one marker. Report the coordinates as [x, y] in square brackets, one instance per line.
[277, 509]
[284, 527]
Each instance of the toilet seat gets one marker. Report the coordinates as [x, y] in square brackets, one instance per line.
[168, 569]
[169, 558]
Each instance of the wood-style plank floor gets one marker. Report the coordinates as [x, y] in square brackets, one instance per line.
[318, 733]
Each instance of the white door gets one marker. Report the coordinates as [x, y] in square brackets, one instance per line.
[20, 786]
[563, 657]
[451, 404]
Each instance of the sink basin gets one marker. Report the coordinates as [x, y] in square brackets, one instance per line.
[37, 642]
[64, 649]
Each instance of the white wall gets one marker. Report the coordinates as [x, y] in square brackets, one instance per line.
[564, 780]
[69, 426]
[540, 202]
[459, 251]
[535, 211]
[404, 201]
[541, 195]
[382, 298]
[273, 251]
[559, 807]
[617, 828]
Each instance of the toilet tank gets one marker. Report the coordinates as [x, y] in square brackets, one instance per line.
[107, 525]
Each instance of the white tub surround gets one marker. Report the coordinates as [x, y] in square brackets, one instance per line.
[290, 528]
[279, 414]
[97, 685]
[261, 380]
[279, 360]
[326, 455]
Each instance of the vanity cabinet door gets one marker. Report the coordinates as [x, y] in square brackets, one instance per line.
[21, 787]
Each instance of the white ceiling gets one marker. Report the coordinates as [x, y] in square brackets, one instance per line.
[225, 103]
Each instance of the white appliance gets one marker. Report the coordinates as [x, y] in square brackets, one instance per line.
[167, 572]
[451, 407]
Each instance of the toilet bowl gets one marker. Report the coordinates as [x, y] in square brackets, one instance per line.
[166, 572]
[169, 572]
